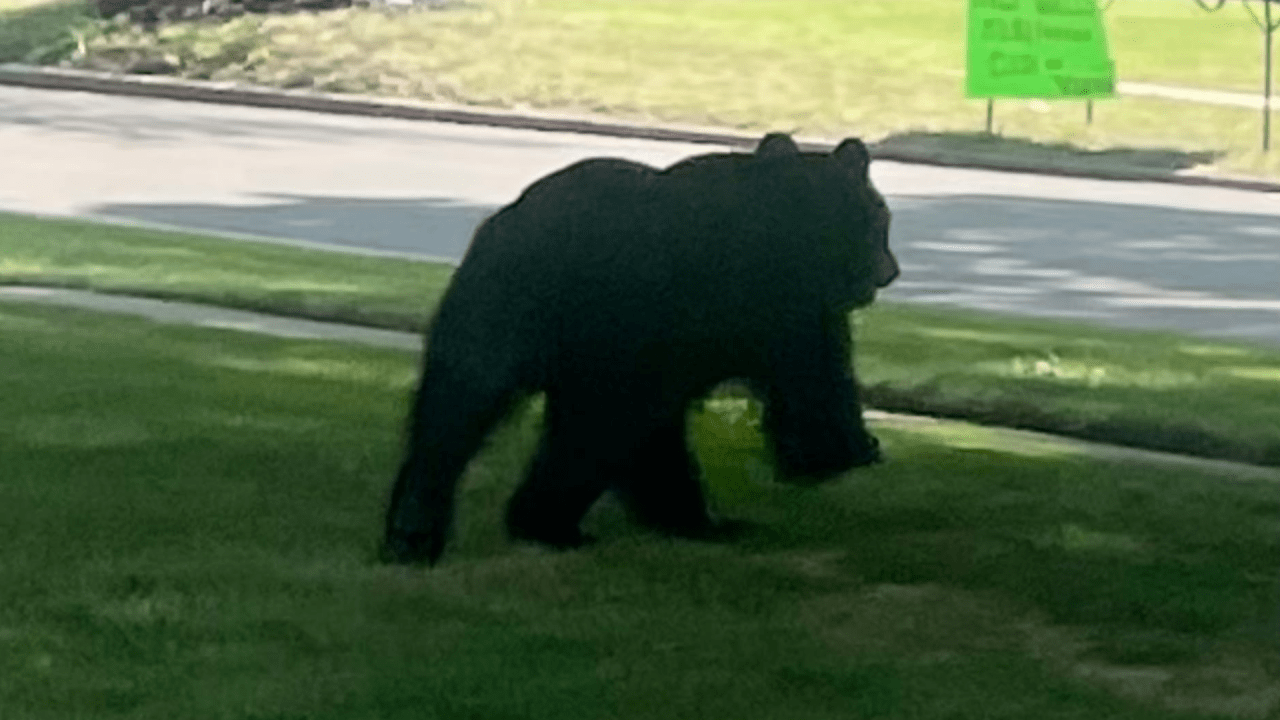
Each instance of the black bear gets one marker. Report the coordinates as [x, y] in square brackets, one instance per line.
[626, 293]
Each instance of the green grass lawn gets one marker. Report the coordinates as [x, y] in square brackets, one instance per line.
[1150, 390]
[1154, 390]
[881, 70]
[47, 29]
[190, 517]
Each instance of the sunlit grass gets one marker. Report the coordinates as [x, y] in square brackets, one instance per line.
[241, 274]
[1225, 54]
[962, 436]
[812, 66]
[1154, 390]
[1264, 374]
[39, 31]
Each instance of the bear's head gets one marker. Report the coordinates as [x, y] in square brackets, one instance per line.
[844, 214]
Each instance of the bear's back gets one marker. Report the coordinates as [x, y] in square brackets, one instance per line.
[702, 231]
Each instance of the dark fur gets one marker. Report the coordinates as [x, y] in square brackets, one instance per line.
[626, 293]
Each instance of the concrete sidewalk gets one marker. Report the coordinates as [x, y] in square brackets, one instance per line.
[208, 316]
[1193, 95]
[211, 316]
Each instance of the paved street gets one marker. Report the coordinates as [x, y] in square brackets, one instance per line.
[1203, 260]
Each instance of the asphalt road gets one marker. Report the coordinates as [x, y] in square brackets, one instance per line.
[1196, 259]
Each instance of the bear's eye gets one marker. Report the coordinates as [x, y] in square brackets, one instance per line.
[880, 209]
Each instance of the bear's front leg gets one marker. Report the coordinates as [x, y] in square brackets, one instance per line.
[819, 437]
[813, 413]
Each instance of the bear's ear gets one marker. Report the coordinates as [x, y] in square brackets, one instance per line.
[776, 145]
[854, 156]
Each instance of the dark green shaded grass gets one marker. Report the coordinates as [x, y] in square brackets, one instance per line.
[1151, 390]
[189, 521]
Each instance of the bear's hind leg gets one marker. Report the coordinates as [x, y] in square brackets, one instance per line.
[657, 481]
[563, 483]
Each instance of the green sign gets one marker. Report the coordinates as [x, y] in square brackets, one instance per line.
[1038, 49]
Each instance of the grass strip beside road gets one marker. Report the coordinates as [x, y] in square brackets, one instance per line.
[190, 516]
[239, 274]
[1160, 391]
[1150, 390]
[889, 71]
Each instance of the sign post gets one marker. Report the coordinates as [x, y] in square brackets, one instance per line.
[1268, 29]
[1037, 49]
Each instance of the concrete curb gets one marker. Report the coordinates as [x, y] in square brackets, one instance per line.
[163, 87]
[214, 317]
[228, 93]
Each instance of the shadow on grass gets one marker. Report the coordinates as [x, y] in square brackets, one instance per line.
[1136, 553]
[961, 147]
[42, 32]
[1156, 564]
